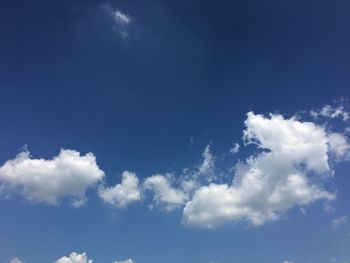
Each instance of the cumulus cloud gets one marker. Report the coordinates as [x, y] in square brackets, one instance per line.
[164, 193]
[337, 222]
[292, 162]
[16, 260]
[128, 191]
[339, 146]
[69, 174]
[74, 258]
[271, 182]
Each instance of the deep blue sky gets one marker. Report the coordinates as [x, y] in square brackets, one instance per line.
[188, 69]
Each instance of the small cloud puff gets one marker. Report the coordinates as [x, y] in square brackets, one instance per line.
[235, 148]
[128, 191]
[16, 260]
[125, 261]
[74, 258]
[121, 20]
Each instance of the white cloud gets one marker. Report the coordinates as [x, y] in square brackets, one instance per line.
[121, 18]
[271, 182]
[164, 193]
[235, 148]
[287, 261]
[203, 173]
[125, 261]
[332, 112]
[122, 194]
[339, 146]
[16, 260]
[74, 258]
[207, 166]
[337, 222]
[328, 208]
[39, 180]
[171, 193]
[295, 141]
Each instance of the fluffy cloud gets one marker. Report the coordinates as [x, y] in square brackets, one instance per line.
[337, 222]
[16, 260]
[68, 174]
[164, 193]
[122, 194]
[275, 180]
[339, 146]
[74, 258]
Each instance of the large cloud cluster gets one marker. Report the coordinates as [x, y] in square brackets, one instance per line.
[289, 167]
[275, 180]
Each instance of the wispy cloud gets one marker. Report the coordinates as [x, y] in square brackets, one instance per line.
[121, 20]
[337, 222]
[235, 148]
[339, 109]
[16, 260]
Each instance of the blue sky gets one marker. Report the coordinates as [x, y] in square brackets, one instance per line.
[174, 131]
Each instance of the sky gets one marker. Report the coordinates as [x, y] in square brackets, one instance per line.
[174, 131]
